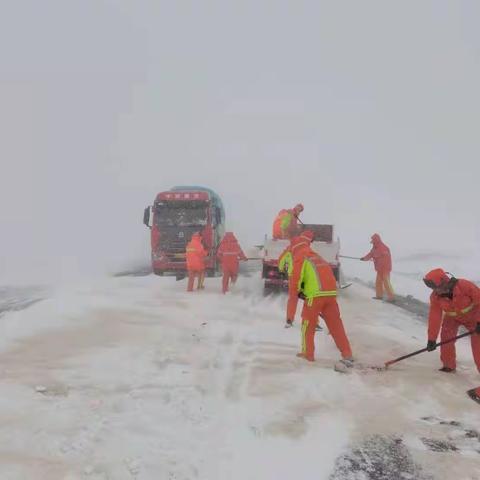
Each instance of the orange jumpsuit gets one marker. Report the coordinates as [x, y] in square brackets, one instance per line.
[314, 278]
[229, 253]
[195, 256]
[296, 243]
[382, 261]
[462, 308]
[285, 224]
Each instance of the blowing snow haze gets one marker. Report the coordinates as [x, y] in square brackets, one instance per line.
[366, 112]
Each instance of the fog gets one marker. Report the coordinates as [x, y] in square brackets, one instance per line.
[366, 112]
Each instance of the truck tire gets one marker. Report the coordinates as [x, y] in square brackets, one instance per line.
[268, 289]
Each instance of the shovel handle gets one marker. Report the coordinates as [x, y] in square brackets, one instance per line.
[391, 362]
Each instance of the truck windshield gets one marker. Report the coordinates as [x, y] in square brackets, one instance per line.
[180, 214]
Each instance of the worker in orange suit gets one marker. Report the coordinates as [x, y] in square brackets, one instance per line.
[382, 261]
[453, 302]
[285, 263]
[229, 254]
[315, 283]
[195, 256]
[285, 225]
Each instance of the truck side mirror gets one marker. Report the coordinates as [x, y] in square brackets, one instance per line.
[146, 217]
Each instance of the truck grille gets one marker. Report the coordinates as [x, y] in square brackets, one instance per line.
[171, 247]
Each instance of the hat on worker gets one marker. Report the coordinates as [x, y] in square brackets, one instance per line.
[298, 207]
[434, 278]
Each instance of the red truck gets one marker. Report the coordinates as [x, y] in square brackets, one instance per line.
[174, 217]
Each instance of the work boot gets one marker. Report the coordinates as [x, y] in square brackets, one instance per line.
[344, 365]
[446, 369]
[377, 298]
[288, 323]
[348, 362]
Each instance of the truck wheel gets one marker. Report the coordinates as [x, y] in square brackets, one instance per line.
[267, 290]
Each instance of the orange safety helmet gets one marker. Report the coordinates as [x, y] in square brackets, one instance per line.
[435, 278]
[375, 238]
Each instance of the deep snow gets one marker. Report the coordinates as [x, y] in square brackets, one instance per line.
[134, 378]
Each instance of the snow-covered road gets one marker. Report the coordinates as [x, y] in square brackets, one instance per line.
[133, 378]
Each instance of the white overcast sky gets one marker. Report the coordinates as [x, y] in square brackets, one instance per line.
[367, 112]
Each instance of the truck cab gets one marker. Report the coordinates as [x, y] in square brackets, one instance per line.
[174, 217]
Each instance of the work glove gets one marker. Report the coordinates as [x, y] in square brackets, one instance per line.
[431, 345]
[477, 328]
[363, 259]
[301, 295]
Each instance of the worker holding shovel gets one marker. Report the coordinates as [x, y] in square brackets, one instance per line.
[285, 263]
[315, 283]
[382, 261]
[454, 302]
[286, 223]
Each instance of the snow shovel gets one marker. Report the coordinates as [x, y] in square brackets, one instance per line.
[391, 362]
[346, 256]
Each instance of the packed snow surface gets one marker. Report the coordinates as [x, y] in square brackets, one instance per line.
[134, 378]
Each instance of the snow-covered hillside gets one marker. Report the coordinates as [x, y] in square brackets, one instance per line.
[133, 378]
